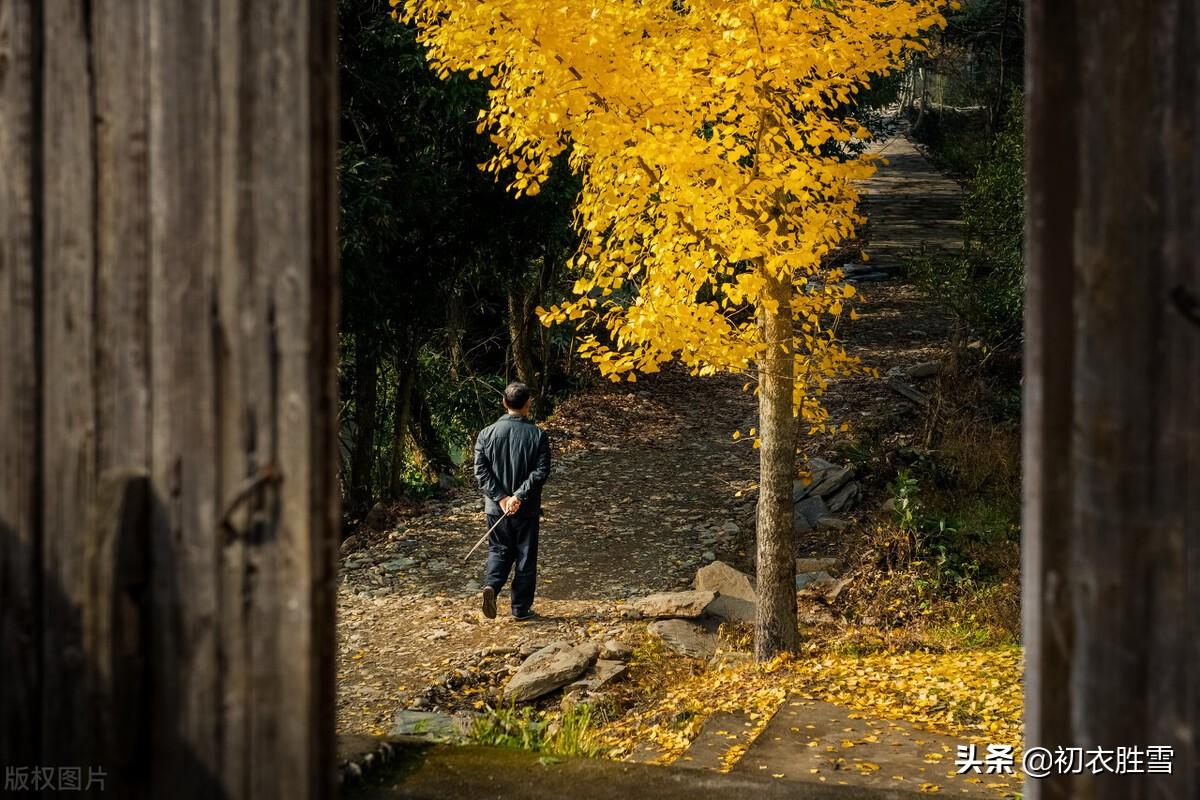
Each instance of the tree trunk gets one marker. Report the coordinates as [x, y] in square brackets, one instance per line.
[775, 621]
[406, 375]
[366, 396]
[430, 448]
[998, 108]
[520, 309]
[456, 330]
[916, 126]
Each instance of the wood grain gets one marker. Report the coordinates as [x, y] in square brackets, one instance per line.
[20, 384]
[1112, 433]
[168, 501]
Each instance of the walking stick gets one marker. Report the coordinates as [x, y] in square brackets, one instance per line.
[483, 538]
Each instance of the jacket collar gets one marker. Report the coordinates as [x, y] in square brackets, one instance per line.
[513, 418]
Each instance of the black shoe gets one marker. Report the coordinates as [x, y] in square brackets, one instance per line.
[489, 602]
[524, 617]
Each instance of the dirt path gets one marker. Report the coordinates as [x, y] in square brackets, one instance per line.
[643, 487]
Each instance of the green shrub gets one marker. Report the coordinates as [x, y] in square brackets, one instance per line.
[983, 284]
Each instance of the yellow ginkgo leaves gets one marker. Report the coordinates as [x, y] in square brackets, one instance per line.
[700, 131]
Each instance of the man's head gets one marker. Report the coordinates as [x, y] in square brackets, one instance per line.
[516, 398]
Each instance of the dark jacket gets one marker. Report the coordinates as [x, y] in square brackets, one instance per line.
[512, 457]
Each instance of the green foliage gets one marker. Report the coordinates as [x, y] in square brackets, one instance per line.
[951, 567]
[956, 139]
[508, 727]
[934, 542]
[459, 406]
[984, 283]
[571, 734]
[575, 734]
[904, 501]
[968, 71]
[433, 253]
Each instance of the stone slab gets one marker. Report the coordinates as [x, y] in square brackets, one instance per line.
[472, 773]
[879, 751]
[720, 733]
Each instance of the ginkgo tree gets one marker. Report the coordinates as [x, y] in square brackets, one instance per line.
[712, 189]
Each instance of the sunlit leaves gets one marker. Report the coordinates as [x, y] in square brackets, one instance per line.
[695, 130]
[976, 694]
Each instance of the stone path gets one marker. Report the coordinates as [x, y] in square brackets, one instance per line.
[448, 773]
[815, 741]
[909, 204]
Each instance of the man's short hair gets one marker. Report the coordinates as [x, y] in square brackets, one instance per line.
[516, 395]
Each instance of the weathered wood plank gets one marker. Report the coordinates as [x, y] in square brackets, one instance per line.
[168, 499]
[68, 394]
[117, 550]
[277, 253]
[20, 243]
[275, 259]
[122, 233]
[185, 391]
[1113, 435]
[319, 504]
[1051, 53]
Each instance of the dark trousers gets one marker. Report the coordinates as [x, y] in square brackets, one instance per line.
[513, 543]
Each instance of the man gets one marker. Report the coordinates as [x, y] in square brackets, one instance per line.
[512, 461]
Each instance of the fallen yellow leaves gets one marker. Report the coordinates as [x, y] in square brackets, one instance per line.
[976, 694]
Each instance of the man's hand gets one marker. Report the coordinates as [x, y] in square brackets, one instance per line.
[510, 505]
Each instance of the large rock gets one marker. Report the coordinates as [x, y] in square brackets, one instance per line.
[815, 565]
[377, 517]
[685, 637]
[815, 581]
[817, 469]
[550, 668]
[927, 369]
[832, 480]
[614, 650]
[590, 649]
[807, 512]
[821, 585]
[675, 604]
[735, 594]
[602, 673]
[835, 591]
[429, 725]
[844, 497]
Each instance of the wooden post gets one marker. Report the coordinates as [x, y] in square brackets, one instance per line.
[168, 497]
[1112, 390]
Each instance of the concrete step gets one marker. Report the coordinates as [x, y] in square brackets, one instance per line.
[721, 733]
[446, 772]
[809, 740]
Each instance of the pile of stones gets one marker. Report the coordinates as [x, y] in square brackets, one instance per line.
[687, 621]
[829, 490]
